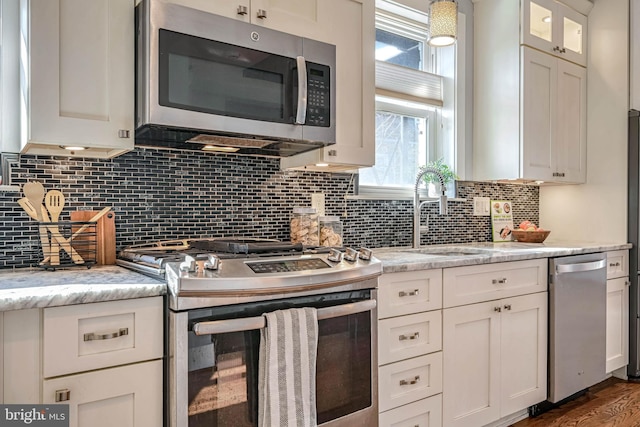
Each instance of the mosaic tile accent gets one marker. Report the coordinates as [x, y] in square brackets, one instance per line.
[166, 194]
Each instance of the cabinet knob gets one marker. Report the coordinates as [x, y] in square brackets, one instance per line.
[242, 10]
[262, 14]
[63, 395]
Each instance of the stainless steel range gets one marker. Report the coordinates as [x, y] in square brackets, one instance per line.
[218, 290]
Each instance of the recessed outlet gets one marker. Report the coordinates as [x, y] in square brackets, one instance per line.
[317, 201]
[481, 206]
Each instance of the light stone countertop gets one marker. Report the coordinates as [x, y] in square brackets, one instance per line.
[37, 288]
[455, 255]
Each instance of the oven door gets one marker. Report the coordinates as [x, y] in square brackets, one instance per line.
[214, 375]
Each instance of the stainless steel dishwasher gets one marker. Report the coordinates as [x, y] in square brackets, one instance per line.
[577, 323]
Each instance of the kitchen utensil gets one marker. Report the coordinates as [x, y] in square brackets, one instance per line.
[105, 235]
[55, 233]
[54, 201]
[34, 192]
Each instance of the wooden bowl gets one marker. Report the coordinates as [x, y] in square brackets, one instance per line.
[530, 236]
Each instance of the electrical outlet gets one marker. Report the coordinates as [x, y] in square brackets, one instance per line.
[317, 201]
[481, 206]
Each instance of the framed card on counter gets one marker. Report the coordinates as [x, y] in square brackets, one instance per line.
[501, 220]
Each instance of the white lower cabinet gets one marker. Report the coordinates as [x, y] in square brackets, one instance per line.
[105, 360]
[409, 380]
[617, 350]
[617, 323]
[409, 349]
[423, 413]
[125, 396]
[495, 358]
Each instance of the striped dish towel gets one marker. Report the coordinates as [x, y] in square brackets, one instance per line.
[287, 369]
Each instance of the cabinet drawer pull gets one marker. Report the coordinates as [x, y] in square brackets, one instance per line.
[617, 264]
[123, 133]
[412, 293]
[507, 306]
[242, 10]
[412, 381]
[498, 309]
[262, 14]
[413, 336]
[499, 281]
[63, 395]
[91, 336]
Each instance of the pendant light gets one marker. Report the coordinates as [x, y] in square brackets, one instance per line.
[443, 22]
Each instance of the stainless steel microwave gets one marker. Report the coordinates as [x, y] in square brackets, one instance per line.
[211, 83]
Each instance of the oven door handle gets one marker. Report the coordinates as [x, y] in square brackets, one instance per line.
[258, 322]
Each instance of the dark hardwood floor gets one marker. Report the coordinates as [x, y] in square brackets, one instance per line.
[612, 403]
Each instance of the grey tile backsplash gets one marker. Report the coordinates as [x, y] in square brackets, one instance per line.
[161, 194]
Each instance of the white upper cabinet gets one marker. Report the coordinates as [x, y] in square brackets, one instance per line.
[530, 120]
[298, 17]
[349, 25]
[554, 118]
[79, 84]
[555, 28]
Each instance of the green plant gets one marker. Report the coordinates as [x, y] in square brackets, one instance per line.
[447, 173]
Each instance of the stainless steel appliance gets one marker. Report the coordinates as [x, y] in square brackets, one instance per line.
[216, 302]
[633, 224]
[577, 323]
[210, 83]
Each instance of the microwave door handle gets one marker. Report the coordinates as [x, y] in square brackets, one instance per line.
[301, 115]
[250, 323]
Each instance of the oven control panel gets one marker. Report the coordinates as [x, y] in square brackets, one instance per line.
[282, 266]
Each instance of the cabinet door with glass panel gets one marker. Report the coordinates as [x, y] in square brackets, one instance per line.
[409, 100]
[555, 28]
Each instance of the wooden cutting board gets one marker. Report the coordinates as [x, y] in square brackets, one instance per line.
[105, 235]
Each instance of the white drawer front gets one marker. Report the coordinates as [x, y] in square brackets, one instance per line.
[478, 283]
[409, 292]
[84, 337]
[409, 336]
[124, 396]
[617, 264]
[423, 413]
[410, 380]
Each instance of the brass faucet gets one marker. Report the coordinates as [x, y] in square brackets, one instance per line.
[417, 204]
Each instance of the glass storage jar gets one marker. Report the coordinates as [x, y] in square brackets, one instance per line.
[304, 226]
[330, 231]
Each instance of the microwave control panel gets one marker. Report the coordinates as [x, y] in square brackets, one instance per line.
[318, 95]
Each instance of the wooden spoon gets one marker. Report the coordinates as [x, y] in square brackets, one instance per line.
[54, 201]
[34, 192]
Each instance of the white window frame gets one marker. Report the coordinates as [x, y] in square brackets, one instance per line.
[417, 104]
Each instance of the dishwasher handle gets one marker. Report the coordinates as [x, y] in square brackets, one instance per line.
[580, 267]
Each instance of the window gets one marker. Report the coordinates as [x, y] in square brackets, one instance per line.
[409, 100]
